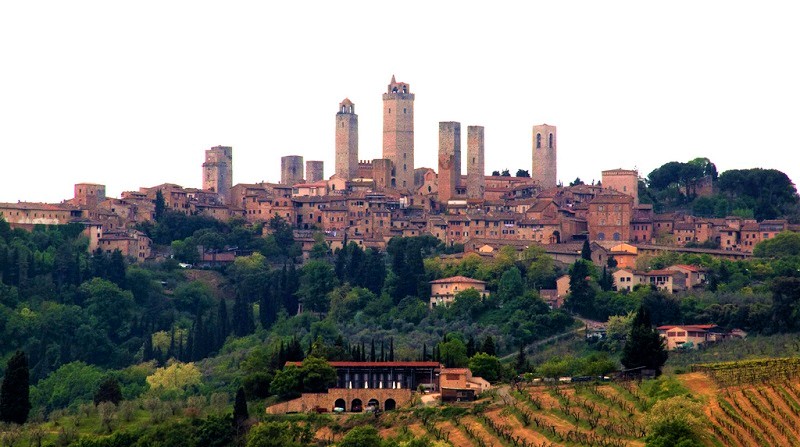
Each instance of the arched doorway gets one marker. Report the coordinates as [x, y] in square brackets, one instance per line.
[373, 405]
[355, 406]
[389, 405]
[340, 403]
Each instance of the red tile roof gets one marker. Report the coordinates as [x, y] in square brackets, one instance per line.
[456, 279]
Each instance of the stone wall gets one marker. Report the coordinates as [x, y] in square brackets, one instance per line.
[310, 401]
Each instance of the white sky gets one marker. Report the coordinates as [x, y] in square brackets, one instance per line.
[131, 94]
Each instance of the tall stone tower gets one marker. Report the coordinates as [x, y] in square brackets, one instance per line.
[449, 159]
[398, 133]
[476, 174]
[218, 171]
[544, 156]
[347, 140]
[314, 171]
[291, 169]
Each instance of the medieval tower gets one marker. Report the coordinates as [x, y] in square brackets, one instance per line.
[476, 175]
[621, 180]
[544, 156]
[398, 133]
[449, 159]
[347, 140]
[218, 171]
[291, 170]
[314, 171]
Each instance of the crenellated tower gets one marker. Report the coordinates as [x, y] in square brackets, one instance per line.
[449, 159]
[398, 133]
[218, 171]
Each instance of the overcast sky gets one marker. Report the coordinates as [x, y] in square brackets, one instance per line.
[131, 94]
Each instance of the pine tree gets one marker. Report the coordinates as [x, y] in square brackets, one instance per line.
[15, 401]
[644, 346]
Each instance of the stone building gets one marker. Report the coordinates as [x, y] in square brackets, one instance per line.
[398, 133]
[449, 159]
[347, 140]
[88, 194]
[609, 217]
[444, 291]
[621, 180]
[218, 171]
[476, 174]
[291, 170]
[315, 171]
[544, 167]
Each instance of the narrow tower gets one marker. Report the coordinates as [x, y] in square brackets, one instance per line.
[544, 156]
[314, 171]
[398, 133]
[476, 175]
[347, 140]
[449, 157]
[291, 169]
[218, 171]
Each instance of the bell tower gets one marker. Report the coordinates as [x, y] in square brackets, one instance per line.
[544, 165]
[347, 140]
[398, 133]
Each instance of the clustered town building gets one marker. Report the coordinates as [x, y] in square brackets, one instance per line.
[370, 201]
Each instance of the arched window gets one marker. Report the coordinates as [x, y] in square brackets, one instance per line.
[550, 141]
[538, 141]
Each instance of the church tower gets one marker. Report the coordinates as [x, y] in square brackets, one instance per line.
[218, 171]
[544, 156]
[398, 133]
[347, 140]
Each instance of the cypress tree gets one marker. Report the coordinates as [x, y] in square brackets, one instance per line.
[223, 327]
[424, 352]
[147, 350]
[240, 414]
[471, 346]
[108, 391]
[586, 251]
[521, 362]
[383, 356]
[488, 346]
[644, 346]
[391, 349]
[15, 401]
[243, 323]
[372, 351]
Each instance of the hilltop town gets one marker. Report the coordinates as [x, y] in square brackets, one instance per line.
[371, 201]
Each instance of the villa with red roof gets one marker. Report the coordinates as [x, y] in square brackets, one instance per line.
[443, 291]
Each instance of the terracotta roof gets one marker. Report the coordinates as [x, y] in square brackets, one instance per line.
[457, 279]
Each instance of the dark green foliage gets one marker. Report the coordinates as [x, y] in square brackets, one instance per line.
[785, 305]
[280, 434]
[586, 251]
[486, 366]
[644, 346]
[240, 413]
[362, 436]
[522, 173]
[160, 206]
[318, 279]
[520, 361]
[675, 433]
[243, 323]
[581, 289]
[786, 244]
[15, 401]
[109, 391]
[487, 347]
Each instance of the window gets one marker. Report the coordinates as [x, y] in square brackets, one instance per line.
[538, 141]
[550, 141]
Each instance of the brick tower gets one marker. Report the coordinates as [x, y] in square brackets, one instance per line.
[315, 171]
[625, 181]
[449, 159]
[291, 169]
[544, 156]
[398, 133]
[218, 171]
[476, 175]
[347, 140]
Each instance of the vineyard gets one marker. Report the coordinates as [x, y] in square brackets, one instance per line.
[741, 406]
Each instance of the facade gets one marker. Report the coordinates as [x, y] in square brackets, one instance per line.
[609, 217]
[459, 385]
[347, 140]
[669, 281]
[218, 171]
[398, 133]
[690, 336]
[544, 166]
[89, 194]
[625, 181]
[443, 291]
[449, 159]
